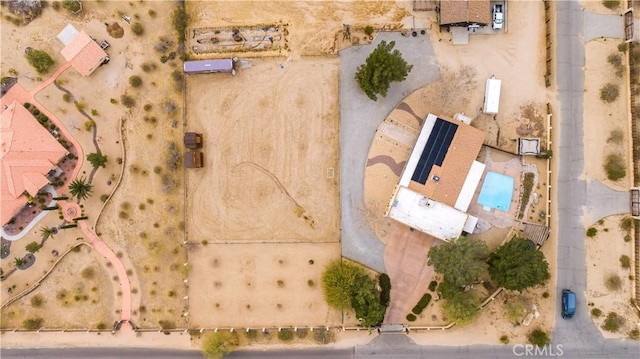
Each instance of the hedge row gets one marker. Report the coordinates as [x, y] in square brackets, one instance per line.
[422, 303]
[385, 284]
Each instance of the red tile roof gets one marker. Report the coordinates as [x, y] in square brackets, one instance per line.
[27, 153]
[84, 54]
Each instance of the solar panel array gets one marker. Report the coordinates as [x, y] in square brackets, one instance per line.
[435, 149]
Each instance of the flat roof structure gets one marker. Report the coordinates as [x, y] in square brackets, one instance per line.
[209, 66]
[465, 12]
[27, 153]
[84, 54]
[439, 179]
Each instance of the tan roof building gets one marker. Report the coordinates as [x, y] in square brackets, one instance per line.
[84, 54]
[440, 179]
[465, 12]
[27, 153]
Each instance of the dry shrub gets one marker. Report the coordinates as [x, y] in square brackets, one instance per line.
[116, 31]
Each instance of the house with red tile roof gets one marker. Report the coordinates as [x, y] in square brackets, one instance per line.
[439, 179]
[27, 153]
[84, 54]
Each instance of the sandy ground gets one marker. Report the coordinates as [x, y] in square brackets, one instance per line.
[609, 243]
[260, 285]
[603, 118]
[271, 153]
[70, 299]
[155, 264]
[313, 25]
[521, 48]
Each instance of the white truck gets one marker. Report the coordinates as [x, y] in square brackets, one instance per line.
[498, 16]
[492, 96]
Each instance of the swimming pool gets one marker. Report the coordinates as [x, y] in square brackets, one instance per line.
[496, 191]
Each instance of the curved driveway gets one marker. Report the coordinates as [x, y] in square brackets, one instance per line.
[359, 119]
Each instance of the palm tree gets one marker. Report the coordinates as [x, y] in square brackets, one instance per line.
[47, 232]
[18, 262]
[80, 189]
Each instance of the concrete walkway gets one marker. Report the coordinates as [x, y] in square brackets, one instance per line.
[598, 26]
[359, 119]
[602, 201]
[125, 286]
[405, 259]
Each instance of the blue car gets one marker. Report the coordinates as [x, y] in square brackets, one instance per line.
[568, 304]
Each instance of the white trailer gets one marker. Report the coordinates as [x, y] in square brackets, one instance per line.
[492, 96]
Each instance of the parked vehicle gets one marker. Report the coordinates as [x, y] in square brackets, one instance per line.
[568, 303]
[498, 16]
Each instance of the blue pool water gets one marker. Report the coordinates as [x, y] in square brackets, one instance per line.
[496, 191]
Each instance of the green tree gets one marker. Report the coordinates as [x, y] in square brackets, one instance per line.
[80, 189]
[32, 247]
[219, 343]
[97, 159]
[18, 262]
[71, 5]
[338, 282]
[539, 338]
[383, 66]
[462, 308]
[40, 60]
[461, 261]
[517, 265]
[366, 303]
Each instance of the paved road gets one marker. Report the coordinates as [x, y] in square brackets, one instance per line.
[98, 353]
[359, 119]
[121, 353]
[580, 334]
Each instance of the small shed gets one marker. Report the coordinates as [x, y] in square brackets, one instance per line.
[192, 140]
[492, 96]
[528, 146]
[193, 159]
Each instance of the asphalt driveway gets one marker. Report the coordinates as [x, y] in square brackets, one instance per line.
[359, 119]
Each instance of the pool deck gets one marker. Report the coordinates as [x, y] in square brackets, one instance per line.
[512, 167]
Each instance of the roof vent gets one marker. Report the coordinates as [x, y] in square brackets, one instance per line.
[435, 178]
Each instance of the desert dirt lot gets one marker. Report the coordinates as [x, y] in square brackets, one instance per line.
[143, 221]
[78, 294]
[270, 152]
[606, 129]
[313, 25]
[260, 285]
[602, 291]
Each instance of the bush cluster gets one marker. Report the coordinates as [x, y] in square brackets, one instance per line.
[609, 92]
[615, 167]
[385, 284]
[422, 303]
